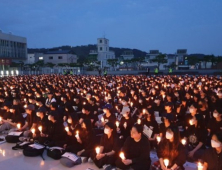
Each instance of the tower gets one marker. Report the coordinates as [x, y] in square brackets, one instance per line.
[102, 45]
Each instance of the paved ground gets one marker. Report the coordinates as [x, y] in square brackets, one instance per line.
[14, 160]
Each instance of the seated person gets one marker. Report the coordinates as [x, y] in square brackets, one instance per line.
[42, 125]
[108, 149]
[170, 148]
[55, 134]
[11, 122]
[136, 150]
[212, 157]
[81, 141]
[196, 137]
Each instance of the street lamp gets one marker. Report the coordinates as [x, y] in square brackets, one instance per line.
[12, 72]
[17, 72]
[7, 73]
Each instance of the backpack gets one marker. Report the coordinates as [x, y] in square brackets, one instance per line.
[55, 152]
[69, 159]
[13, 137]
[34, 150]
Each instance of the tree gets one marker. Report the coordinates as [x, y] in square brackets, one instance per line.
[127, 62]
[192, 60]
[138, 61]
[63, 64]
[113, 62]
[206, 59]
[39, 64]
[160, 59]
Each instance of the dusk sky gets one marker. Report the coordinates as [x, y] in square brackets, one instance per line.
[166, 25]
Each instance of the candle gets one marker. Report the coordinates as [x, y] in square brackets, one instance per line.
[158, 138]
[33, 130]
[166, 162]
[77, 134]
[97, 150]
[199, 166]
[131, 104]
[117, 124]
[102, 119]
[40, 128]
[122, 156]
[0, 119]
[67, 129]
[183, 141]
[139, 121]
[144, 111]
[18, 125]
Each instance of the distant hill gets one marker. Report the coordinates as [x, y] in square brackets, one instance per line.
[83, 51]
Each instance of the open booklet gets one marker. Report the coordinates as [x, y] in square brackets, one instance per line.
[15, 133]
[71, 156]
[37, 146]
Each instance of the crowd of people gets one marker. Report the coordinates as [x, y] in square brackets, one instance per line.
[115, 121]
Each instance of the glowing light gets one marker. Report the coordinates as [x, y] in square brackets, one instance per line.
[122, 156]
[166, 162]
[97, 150]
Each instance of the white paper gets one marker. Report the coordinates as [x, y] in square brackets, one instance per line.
[156, 114]
[37, 146]
[158, 119]
[15, 133]
[56, 147]
[71, 156]
[23, 143]
[147, 131]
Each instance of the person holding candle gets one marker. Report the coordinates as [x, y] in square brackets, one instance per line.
[196, 135]
[81, 141]
[30, 120]
[109, 147]
[136, 151]
[126, 124]
[170, 148]
[108, 116]
[43, 122]
[55, 133]
[11, 122]
[212, 157]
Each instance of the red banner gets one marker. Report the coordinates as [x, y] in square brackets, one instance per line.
[4, 61]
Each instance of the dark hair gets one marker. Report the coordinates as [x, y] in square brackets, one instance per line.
[139, 128]
[168, 151]
[219, 136]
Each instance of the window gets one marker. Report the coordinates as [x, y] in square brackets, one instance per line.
[101, 48]
[51, 57]
[40, 58]
[59, 57]
[101, 41]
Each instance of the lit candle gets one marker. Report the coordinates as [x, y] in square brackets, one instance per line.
[139, 121]
[183, 141]
[33, 130]
[0, 119]
[67, 129]
[116, 107]
[199, 166]
[97, 150]
[77, 134]
[18, 125]
[122, 156]
[131, 104]
[158, 138]
[102, 119]
[117, 124]
[144, 111]
[166, 162]
[40, 128]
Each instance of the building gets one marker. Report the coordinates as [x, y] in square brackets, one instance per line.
[127, 55]
[57, 57]
[12, 47]
[103, 53]
[151, 55]
[181, 59]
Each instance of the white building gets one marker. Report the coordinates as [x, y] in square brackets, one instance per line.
[151, 55]
[57, 57]
[103, 53]
[13, 47]
[127, 55]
